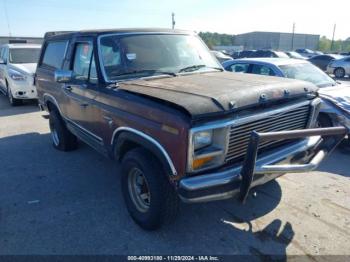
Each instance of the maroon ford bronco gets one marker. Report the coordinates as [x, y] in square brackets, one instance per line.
[182, 128]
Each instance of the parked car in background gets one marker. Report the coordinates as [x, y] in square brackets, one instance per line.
[157, 101]
[322, 61]
[221, 56]
[269, 53]
[301, 70]
[295, 55]
[246, 53]
[305, 52]
[340, 67]
[290, 68]
[17, 67]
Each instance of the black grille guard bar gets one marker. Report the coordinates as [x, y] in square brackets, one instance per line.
[332, 137]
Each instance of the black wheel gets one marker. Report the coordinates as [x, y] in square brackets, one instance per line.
[339, 72]
[62, 138]
[13, 101]
[324, 120]
[149, 197]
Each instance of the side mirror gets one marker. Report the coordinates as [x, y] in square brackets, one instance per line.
[2, 61]
[63, 76]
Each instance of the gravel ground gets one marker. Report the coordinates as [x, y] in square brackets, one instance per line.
[70, 203]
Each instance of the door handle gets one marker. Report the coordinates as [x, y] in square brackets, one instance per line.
[84, 105]
[67, 88]
[107, 118]
[109, 121]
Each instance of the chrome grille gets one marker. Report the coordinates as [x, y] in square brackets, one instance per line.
[293, 119]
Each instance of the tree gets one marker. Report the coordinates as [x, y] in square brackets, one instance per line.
[214, 39]
[325, 45]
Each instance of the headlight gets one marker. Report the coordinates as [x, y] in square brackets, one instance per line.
[207, 148]
[17, 76]
[202, 139]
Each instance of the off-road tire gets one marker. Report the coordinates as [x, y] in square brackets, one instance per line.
[339, 72]
[62, 138]
[164, 202]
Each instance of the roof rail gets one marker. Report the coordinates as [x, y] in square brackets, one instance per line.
[53, 33]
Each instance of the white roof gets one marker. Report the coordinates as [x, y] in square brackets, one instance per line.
[275, 61]
[23, 45]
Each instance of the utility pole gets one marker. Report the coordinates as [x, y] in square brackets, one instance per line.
[173, 20]
[293, 31]
[335, 25]
[7, 18]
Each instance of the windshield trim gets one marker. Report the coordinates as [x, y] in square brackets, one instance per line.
[99, 37]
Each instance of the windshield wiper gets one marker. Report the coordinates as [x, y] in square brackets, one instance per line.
[151, 71]
[196, 67]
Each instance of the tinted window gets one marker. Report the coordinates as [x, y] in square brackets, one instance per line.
[262, 70]
[24, 55]
[239, 68]
[54, 54]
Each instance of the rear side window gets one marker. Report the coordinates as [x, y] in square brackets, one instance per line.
[54, 54]
[262, 70]
[239, 68]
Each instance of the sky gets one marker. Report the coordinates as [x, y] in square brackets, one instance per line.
[35, 17]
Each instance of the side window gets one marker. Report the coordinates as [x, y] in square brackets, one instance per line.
[262, 70]
[84, 66]
[3, 54]
[347, 60]
[81, 62]
[54, 54]
[239, 68]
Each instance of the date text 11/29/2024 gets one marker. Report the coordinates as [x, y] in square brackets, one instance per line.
[173, 258]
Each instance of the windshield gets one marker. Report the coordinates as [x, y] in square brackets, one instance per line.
[24, 55]
[307, 72]
[131, 56]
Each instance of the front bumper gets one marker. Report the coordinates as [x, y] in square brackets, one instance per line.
[23, 89]
[301, 156]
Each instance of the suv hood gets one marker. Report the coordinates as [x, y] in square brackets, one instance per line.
[217, 92]
[24, 68]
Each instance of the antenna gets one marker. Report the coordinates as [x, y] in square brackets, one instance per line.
[293, 33]
[7, 18]
[335, 26]
[173, 20]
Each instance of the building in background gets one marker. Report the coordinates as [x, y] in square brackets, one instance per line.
[276, 41]
[14, 39]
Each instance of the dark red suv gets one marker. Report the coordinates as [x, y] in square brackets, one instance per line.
[160, 103]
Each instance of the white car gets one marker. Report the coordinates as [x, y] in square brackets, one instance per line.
[17, 68]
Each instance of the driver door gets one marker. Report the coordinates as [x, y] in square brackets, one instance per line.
[80, 93]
